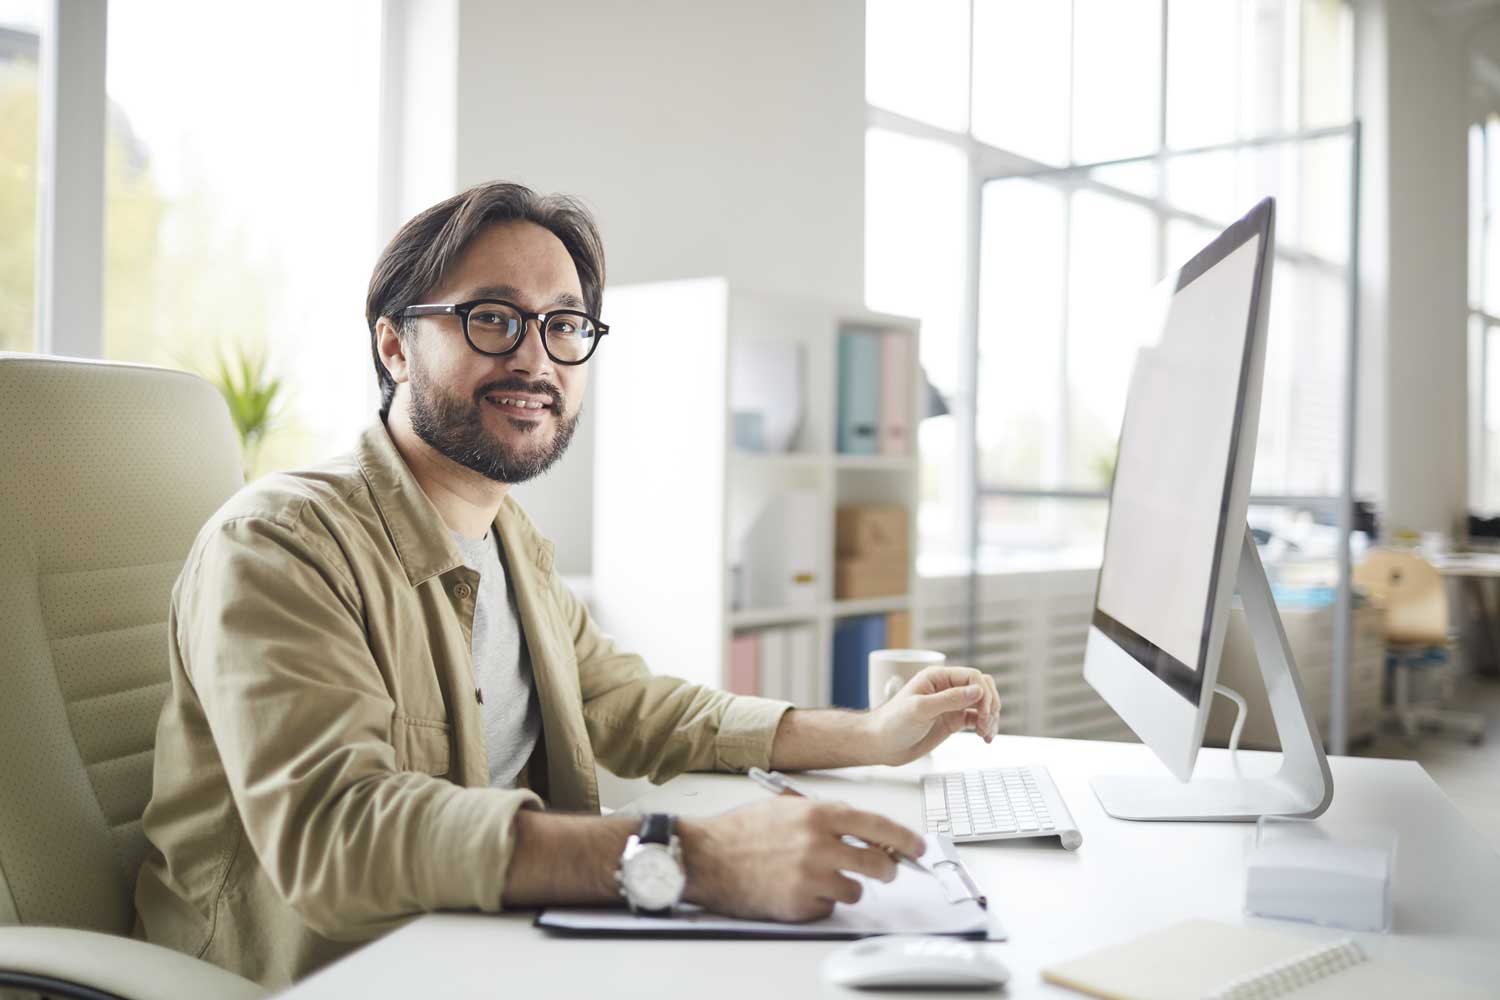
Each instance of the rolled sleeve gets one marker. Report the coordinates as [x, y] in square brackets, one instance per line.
[747, 731]
[645, 725]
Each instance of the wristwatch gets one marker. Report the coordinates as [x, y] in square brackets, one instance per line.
[651, 875]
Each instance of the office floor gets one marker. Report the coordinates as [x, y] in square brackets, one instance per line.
[1468, 774]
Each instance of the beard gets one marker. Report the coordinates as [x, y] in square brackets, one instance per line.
[455, 428]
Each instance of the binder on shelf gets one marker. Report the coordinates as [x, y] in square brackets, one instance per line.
[859, 392]
[775, 666]
[806, 685]
[854, 639]
[781, 552]
[895, 394]
[744, 664]
[898, 630]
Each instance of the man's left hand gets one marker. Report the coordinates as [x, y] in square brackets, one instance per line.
[933, 705]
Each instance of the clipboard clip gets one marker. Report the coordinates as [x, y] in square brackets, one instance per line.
[954, 877]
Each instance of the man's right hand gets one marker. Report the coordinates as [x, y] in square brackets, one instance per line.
[785, 858]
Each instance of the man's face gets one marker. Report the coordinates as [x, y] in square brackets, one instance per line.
[471, 407]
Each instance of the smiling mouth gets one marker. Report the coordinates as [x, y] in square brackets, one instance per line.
[519, 407]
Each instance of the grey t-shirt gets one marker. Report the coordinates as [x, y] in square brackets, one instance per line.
[502, 668]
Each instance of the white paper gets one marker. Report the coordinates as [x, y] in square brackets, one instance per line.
[915, 903]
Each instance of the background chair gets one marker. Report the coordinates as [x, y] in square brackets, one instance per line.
[1418, 640]
[107, 471]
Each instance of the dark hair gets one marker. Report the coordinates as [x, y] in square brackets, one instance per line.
[414, 261]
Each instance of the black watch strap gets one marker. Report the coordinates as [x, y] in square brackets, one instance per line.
[657, 828]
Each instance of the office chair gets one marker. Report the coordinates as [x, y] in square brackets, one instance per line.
[1415, 601]
[107, 471]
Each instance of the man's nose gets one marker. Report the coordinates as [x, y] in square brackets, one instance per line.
[531, 357]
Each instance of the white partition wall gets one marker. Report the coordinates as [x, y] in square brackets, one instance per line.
[674, 501]
[658, 475]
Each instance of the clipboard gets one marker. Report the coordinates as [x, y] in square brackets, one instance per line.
[915, 903]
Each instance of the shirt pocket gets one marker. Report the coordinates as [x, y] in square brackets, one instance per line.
[423, 745]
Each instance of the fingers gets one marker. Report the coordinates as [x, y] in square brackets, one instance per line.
[839, 888]
[955, 699]
[944, 681]
[872, 829]
[863, 860]
[992, 700]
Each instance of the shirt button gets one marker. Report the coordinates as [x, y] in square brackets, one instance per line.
[462, 591]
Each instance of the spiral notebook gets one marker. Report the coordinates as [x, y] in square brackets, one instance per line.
[1202, 959]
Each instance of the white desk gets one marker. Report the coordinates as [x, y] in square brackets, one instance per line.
[1126, 879]
[1474, 571]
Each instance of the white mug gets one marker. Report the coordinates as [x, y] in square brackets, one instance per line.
[890, 669]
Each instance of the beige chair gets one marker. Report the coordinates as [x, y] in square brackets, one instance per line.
[1415, 602]
[107, 471]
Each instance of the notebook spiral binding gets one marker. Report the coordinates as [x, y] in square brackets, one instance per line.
[1286, 977]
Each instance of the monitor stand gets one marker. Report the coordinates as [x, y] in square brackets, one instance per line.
[1302, 787]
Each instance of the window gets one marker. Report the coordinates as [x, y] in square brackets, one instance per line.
[914, 261]
[917, 59]
[1484, 318]
[20, 32]
[240, 202]
[1060, 254]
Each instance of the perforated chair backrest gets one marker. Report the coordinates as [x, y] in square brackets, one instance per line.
[1412, 592]
[107, 471]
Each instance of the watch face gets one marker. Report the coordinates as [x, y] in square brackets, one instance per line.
[653, 878]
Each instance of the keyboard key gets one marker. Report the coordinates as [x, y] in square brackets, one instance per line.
[990, 803]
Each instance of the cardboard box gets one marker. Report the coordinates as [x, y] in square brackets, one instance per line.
[871, 576]
[898, 630]
[871, 531]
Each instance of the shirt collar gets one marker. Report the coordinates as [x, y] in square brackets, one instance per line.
[422, 539]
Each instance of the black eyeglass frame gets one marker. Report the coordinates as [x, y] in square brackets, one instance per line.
[463, 309]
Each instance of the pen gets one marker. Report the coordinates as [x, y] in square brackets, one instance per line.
[967, 879]
[775, 781]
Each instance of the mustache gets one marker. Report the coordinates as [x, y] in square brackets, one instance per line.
[538, 388]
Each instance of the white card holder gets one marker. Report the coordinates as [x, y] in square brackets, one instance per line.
[1296, 870]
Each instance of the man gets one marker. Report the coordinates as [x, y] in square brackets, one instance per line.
[383, 699]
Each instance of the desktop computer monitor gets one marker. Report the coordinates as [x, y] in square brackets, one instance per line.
[1177, 548]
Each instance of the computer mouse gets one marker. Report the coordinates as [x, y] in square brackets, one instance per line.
[914, 960]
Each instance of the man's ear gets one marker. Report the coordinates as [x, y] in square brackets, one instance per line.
[392, 349]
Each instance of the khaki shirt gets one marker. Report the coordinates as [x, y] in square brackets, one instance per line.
[320, 770]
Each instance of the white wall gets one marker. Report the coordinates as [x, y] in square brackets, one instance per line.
[727, 139]
[1413, 97]
[710, 137]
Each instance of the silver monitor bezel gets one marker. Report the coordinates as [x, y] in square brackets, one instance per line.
[1164, 701]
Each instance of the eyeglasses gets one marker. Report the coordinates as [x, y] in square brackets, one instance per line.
[496, 328]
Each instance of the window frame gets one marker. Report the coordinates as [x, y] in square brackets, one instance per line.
[987, 163]
[1483, 320]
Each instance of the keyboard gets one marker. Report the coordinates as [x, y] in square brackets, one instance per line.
[997, 803]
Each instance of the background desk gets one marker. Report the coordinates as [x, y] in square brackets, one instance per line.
[1477, 573]
[1126, 879]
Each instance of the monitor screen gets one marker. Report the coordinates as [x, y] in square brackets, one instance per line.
[1170, 498]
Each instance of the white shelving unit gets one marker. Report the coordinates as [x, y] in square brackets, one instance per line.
[672, 497]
